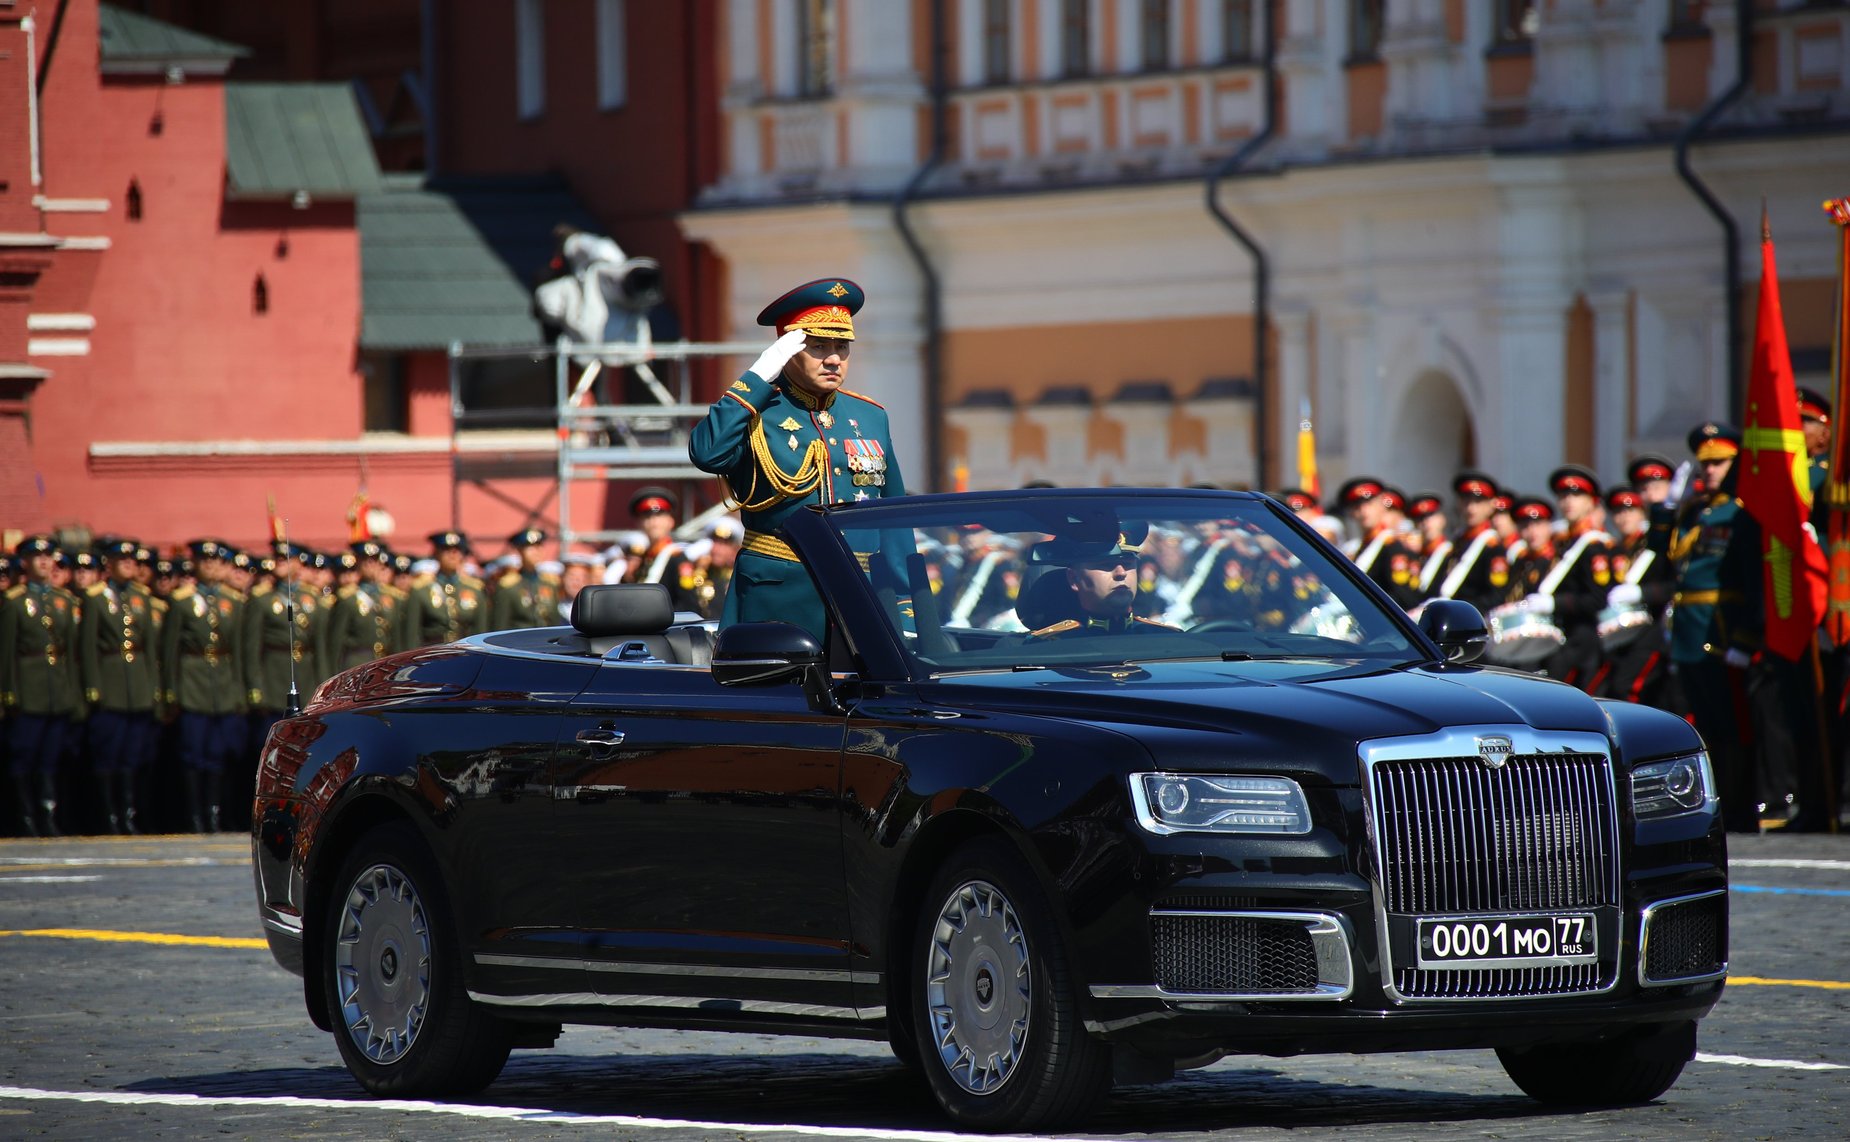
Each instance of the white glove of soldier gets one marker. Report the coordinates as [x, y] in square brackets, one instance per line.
[1737, 658]
[1625, 595]
[1679, 484]
[771, 362]
[1539, 604]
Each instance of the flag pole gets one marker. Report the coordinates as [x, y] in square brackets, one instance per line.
[1837, 486]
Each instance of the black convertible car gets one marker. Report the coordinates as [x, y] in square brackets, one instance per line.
[1072, 837]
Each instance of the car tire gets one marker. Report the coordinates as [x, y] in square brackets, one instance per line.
[1622, 1072]
[994, 1016]
[392, 976]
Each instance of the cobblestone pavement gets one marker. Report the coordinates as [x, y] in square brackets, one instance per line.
[190, 1041]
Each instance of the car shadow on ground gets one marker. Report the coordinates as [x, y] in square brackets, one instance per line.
[857, 1092]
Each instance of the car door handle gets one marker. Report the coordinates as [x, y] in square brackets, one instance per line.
[603, 742]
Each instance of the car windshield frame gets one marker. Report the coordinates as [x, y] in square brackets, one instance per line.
[873, 558]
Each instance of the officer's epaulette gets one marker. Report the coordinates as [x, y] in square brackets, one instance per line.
[551, 580]
[393, 590]
[233, 594]
[860, 397]
[95, 589]
[16, 591]
[262, 589]
[511, 579]
[185, 592]
[160, 605]
[1058, 628]
[347, 591]
[471, 582]
[423, 581]
[1153, 623]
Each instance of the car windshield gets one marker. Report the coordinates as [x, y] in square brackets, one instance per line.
[1026, 580]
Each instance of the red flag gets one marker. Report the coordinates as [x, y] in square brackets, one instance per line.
[276, 521]
[1837, 488]
[1774, 482]
[360, 528]
[1307, 457]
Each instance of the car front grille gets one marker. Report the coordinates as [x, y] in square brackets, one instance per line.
[1686, 940]
[1455, 836]
[1232, 954]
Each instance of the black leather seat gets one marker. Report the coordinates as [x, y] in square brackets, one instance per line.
[1049, 600]
[612, 615]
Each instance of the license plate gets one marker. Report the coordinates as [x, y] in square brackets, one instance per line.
[1509, 941]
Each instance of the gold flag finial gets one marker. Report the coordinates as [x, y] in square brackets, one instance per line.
[1839, 210]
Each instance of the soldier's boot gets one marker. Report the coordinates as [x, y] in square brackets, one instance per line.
[112, 811]
[48, 805]
[23, 791]
[195, 801]
[130, 809]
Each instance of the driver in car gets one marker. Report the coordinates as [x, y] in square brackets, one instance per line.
[1102, 578]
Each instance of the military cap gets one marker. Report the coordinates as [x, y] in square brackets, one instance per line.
[1425, 504]
[583, 559]
[449, 540]
[144, 555]
[1472, 484]
[367, 549]
[1620, 499]
[653, 499]
[401, 563]
[1090, 545]
[1530, 509]
[1813, 406]
[316, 559]
[184, 567]
[208, 549]
[266, 564]
[165, 568]
[1297, 499]
[725, 529]
[1712, 440]
[1359, 490]
[87, 560]
[241, 560]
[8, 565]
[37, 545]
[824, 308]
[1503, 501]
[346, 561]
[1649, 467]
[1573, 479]
[527, 537]
[1395, 499]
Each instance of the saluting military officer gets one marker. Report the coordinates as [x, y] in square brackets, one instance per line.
[525, 596]
[202, 681]
[38, 681]
[448, 605]
[122, 682]
[786, 434]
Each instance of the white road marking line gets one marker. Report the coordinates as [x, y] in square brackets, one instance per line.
[499, 1113]
[1779, 1064]
[108, 862]
[1791, 862]
[47, 879]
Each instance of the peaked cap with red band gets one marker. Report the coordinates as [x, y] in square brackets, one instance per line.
[1359, 490]
[1425, 504]
[1650, 467]
[1571, 478]
[1813, 406]
[651, 500]
[1620, 499]
[824, 308]
[1531, 510]
[1472, 484]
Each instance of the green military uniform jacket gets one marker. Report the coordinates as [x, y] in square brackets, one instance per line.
[38, 643]
[524, 599]
[199, 651]
[444, 608]
[269, 652]
[116, 648]
[360, 627]
[1714, 548]
[780, 450]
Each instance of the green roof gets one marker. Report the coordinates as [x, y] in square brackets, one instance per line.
[134, 42]
[281, 138]
[455, 262]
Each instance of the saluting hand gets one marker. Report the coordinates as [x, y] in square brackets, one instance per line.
[771, 362]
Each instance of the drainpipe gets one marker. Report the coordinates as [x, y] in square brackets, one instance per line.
[1262, 287]
[51, 46]
[1743, 75]
[934, 318]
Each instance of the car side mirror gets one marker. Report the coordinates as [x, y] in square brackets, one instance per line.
[765, 654]
[1457, 627]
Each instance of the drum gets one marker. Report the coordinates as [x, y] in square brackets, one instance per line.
[1520, 637]
[1619, 627]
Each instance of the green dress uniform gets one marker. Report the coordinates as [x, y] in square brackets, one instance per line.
[781, 449]
[38, 693]
[201, 679]
[360, 627]
[271, 655]
[524, 599]
[122, 684]
[443, 608]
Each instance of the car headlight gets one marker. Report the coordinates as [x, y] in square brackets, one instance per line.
[1219, 803]
[1673, 788]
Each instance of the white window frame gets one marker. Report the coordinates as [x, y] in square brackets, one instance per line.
[612, 55]
[529, 59]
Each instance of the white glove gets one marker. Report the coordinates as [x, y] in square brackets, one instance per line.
[771, 362]
[1625, 595]
[1539, 604]
[1679, 483]
[1738, 658]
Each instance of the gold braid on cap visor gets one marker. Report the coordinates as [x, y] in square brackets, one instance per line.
[808, 477]
[828, 321]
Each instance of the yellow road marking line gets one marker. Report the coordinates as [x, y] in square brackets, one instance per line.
[1756, 981]
[140, 937]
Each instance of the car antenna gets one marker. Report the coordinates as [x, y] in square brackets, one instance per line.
[294, 705]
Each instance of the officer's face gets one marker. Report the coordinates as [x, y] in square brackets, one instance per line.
[1715, 471]
[1538, 533]
[1105, 586]
[822, 365]
[1817, 435]
[1576, 505]
[450, 560]
[530, 556]
[123, 568]
[41, 566]
[656, 525]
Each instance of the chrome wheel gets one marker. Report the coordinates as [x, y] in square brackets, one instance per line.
[978, 987]
[382, 963]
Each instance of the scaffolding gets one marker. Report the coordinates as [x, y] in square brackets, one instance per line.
[619, 412]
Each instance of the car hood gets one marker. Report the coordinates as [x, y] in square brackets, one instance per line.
[1296, 713]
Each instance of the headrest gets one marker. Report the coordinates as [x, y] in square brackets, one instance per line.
[622, 608]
